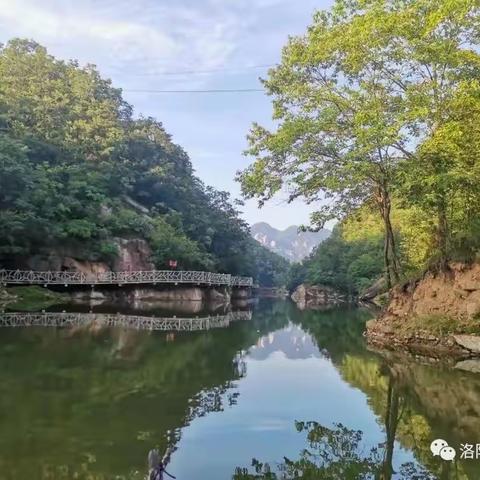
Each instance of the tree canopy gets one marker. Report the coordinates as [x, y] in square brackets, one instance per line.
[372, 104]
[78, 168]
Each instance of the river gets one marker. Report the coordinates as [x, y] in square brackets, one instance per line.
[282, 390]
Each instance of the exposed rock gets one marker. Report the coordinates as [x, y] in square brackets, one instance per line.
[183, 293]
[63, 259]
[316, 296]
[184, 299]
[372, 294]
[454, 293]
[446, 304]
[470, 342]
[290, 243]
[85, 266]
[133, 255]
[383, 336]
[469, 365]
[180, 299]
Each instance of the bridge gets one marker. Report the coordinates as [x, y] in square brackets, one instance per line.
[166, 324]
[152, 277]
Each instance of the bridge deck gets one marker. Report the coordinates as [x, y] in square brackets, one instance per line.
[153, 277]
[168, 324]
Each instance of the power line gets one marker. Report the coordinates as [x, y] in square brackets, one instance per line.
[202, 72]
[225, 90]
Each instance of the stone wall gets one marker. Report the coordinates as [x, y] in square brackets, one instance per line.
[181, 298]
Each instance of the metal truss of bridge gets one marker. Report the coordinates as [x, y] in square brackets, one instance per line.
[100, 320]
[152, 277]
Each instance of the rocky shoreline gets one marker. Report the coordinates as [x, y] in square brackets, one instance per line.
[435, 316]
[423, 343]
[318, 297]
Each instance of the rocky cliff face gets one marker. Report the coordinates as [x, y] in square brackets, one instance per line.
[317, 297]
[133, 254]
[290, 243]
[440, 311]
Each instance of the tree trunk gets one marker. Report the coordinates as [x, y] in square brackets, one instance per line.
[393, 248]
[390, 256]
[391, 427]
[386, 260]
[391, 423]
[442, 234]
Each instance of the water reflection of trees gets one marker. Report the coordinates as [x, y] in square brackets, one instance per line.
[90, 404]
[415, 403]
[332, 454]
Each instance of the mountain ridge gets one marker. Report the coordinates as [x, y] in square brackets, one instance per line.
[289, 243]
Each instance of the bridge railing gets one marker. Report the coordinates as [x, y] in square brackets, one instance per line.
[57, 319]
[38, 277]
[136, 277]
[242, 281]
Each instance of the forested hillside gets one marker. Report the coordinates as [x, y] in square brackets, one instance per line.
[78, 168]
[347, 265]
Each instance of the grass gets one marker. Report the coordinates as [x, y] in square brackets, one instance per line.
[438, 325]
[382, 299]
[33, 298]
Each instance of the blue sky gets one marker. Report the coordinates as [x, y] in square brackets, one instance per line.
[143, 44]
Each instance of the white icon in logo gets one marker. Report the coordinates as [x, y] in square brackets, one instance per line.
[437, 445]
[440, 447]
[447, 453]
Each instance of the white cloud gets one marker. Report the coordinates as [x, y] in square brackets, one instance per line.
[144, 36]
[128, 37]
[131, 41]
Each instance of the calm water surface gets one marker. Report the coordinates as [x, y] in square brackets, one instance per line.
[285, 391]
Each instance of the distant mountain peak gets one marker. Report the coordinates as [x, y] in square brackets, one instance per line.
[289, 243]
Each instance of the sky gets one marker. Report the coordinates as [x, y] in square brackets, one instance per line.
[180, 45]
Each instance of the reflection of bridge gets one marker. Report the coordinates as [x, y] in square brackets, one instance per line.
[153, 277]
[54, 319]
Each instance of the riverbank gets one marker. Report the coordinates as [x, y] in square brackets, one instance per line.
[437, 315]
[31, 298]
[184, 298]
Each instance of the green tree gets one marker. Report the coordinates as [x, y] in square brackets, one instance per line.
[76, 171]
[355, 97]
[168, 243]
[59, 102]
[349, 266]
